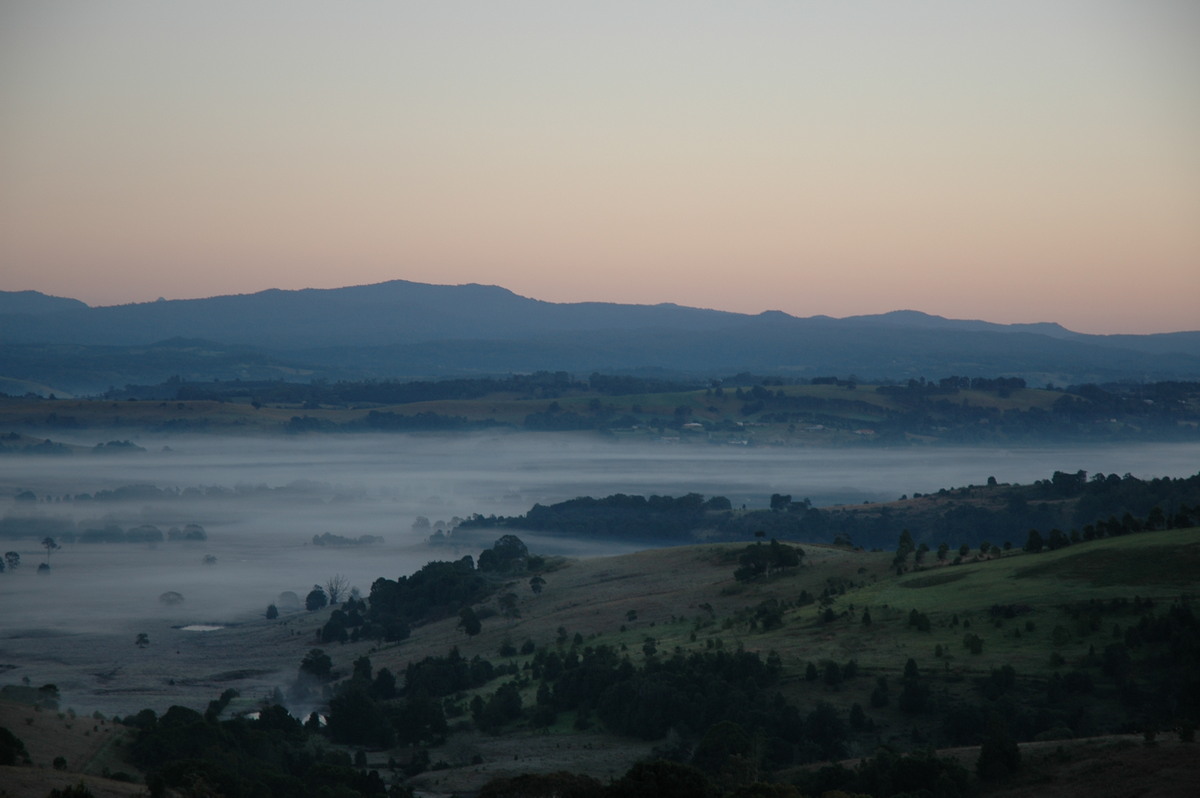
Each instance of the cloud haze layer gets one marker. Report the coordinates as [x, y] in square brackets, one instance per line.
[262, 499]
[1016, 161]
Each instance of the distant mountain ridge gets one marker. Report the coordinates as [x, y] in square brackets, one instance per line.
[401, 329]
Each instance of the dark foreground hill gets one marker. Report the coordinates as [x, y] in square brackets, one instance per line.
[405, 329]
[1017, 668]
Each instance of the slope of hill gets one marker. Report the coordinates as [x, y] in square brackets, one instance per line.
[1089, 640]
[404, 329]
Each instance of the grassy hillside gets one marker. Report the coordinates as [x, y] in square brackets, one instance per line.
[1058, 619]
[687, 601]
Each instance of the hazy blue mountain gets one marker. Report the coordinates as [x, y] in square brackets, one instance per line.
[402, 329]
[385, 313]
[35, 303]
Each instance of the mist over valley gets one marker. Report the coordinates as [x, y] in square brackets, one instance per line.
[261, 500]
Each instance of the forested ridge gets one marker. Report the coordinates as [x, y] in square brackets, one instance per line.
[1081, 508]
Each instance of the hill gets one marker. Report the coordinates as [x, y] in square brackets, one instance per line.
[1092, 639]
[406, 329]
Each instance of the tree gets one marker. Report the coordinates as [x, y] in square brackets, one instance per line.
[50, 546]
[317, 663]
[508, 553]
[904, 547]
[272, 612]
[536, 584]
[1034, 543]
[915, 696]
[469, 622]
[662, 779]
[508, 605]
[142, 640]
[315, 599]
[356, 718]
[13, 559]
[336, 586]
[999, 756]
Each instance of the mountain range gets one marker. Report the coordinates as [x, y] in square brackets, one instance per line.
[402, 330]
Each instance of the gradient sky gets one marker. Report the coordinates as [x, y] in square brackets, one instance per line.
[1013, 161]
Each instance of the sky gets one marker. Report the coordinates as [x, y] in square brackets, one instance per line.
[1013, 161]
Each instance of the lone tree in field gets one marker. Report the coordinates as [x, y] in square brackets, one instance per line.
[49, 545]
[13, 559]
[536, 584]
[142, 640]
[315, 599]
[336, 586]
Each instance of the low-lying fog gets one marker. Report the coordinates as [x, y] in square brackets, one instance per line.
[261, 501]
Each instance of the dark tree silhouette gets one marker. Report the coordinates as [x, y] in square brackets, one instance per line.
[50, 546]
[315, 599]
[469, 622]
[336, 586]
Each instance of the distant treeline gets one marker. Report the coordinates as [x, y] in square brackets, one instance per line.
[64, 530]
[993, 513]
[538, 385]
[384, 421]
[617, 517]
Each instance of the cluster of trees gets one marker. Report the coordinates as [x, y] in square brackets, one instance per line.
[508, 554]
[615, 517]
[12, 559]
[759, 561]
[916, 390]
[1182, 516]
[330, 539]
[66, 530]
[972, 516]
[272, 755]
[438, 590]
[387, 421]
